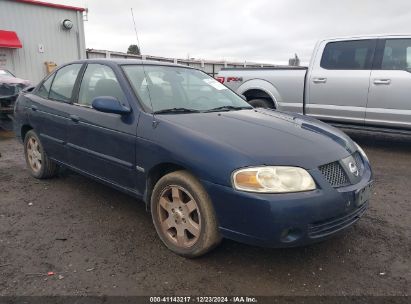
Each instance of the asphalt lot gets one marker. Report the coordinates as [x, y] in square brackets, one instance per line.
[99, 241]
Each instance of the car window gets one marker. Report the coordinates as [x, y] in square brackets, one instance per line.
[63, 84]
[99, 80]
[348, 55]
[44, 89]
[167, 87]
[397, 55]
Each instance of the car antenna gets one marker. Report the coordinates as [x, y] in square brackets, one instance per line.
[135, 30]
[144, 70]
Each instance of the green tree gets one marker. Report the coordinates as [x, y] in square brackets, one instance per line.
[133, 49]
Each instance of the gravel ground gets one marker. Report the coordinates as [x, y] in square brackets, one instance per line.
[99, 241]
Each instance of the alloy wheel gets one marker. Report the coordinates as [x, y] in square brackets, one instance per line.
[34, 154]
[179, 216]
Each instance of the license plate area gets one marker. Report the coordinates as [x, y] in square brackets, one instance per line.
[364, 194]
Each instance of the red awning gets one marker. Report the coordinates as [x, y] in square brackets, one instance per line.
[9, 39]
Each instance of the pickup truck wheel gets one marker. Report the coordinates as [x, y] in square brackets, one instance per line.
[183, 215]
[40, 166]
[261, 103]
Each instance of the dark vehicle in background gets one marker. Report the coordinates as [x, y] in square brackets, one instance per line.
[10, 87]
[206, 163]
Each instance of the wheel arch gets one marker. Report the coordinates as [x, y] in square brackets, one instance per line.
[154, 175]
[258, 88]
[24, 129]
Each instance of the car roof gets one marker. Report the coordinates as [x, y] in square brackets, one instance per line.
[116, 61]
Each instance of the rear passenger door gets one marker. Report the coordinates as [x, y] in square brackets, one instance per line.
[102, 144]
[389, 100]
[49, 110]
[339, 81]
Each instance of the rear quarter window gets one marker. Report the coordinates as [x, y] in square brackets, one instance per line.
[63, 83]
[44, 88]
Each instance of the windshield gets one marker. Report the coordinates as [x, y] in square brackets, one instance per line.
[163, 88]
[5, 73]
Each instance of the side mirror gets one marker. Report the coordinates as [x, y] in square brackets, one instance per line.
[28, 89]
[108, 104]
[243, 97]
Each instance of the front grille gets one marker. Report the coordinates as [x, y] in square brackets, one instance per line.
[335, 174]
[330, 226]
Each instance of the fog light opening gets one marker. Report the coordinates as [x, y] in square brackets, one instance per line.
[291, 235]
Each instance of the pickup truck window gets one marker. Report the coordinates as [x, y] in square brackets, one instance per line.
[348, 55]
[397, 55]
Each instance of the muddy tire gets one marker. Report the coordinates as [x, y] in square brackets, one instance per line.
[38, 163]
[261, 103]
[183, 215]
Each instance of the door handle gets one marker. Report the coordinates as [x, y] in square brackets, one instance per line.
[75, 118]
[33, 108]
[320, 80]
[382, 81]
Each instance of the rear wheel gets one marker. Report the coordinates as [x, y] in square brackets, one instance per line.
[38, 162]
[260, 103]
[183, 215]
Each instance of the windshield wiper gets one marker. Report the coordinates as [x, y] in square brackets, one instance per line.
[176, 110]
[228, 108]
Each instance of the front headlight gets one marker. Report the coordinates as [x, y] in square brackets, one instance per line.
[273, 179]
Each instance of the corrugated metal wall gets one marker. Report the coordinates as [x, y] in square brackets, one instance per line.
[39, 25]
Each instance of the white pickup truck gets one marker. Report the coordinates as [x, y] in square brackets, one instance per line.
[356, 82]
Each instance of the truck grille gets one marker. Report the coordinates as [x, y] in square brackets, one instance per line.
[335, 174]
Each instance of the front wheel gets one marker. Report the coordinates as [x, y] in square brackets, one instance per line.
[183, 215]
[261, 103]
[39, 164]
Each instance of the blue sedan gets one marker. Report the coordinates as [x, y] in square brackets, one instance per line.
[206, 163]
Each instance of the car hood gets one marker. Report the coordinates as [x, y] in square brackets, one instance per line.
[268, 137]
[13, 80]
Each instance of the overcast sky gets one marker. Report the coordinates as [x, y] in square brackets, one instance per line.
[257, 30]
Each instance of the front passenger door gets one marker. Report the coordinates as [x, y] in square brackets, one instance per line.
[102, 144]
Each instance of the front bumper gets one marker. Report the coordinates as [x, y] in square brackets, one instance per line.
[287, 220]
